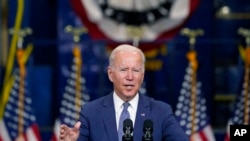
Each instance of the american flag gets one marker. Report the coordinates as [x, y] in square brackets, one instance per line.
[241, 111]
[11, 125]
[191, 109]
[75, 95]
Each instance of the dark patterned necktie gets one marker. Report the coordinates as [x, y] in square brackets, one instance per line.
[124, 115]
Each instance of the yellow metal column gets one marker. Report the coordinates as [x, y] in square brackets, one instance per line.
[3, 33]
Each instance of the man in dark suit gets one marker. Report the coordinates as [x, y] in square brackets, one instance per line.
[99, 119]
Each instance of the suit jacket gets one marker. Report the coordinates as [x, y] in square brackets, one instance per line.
[98, 121]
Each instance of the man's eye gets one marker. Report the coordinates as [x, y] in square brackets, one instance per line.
[138, 69]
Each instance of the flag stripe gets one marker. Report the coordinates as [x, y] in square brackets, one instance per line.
[4, 134]
[209, 134]
[55, 136]
[196, 137]
[203, 136]
[32, 133]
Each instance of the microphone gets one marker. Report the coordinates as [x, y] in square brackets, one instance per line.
[147, 130]
[127, 129]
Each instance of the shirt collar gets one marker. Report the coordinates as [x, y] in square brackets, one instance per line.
[118, 102]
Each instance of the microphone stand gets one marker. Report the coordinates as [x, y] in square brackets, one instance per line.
[127, 136]
[148, 135]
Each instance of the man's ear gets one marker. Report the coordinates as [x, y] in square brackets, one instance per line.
[110, 73]
[142, 78]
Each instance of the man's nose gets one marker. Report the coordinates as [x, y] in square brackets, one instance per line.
[130, 75]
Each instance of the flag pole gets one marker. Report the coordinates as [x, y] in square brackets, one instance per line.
[246, 34]
[22, 33]
[77, 32]
[192, 58]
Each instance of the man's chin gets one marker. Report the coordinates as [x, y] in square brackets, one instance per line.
[130, 94]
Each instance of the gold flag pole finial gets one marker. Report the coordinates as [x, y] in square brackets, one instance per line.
[246, 53]
[245, 33]
[136, 34]
[192, 34]
[76, 31]
[21, 35]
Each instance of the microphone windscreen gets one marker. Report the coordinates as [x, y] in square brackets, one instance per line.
[148, 125]
[127, 124]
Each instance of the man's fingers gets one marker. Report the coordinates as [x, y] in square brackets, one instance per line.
[77, 125]
[62, 128]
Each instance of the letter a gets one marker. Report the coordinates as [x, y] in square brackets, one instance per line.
[237, 132]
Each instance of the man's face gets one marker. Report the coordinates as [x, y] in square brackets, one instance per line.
[127, 74]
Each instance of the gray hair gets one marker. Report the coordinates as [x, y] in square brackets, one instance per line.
[125, 47]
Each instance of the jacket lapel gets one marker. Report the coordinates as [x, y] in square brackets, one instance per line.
[143, 113]
[108, 114]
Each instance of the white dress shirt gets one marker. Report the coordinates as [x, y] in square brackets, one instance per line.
[118, 103]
